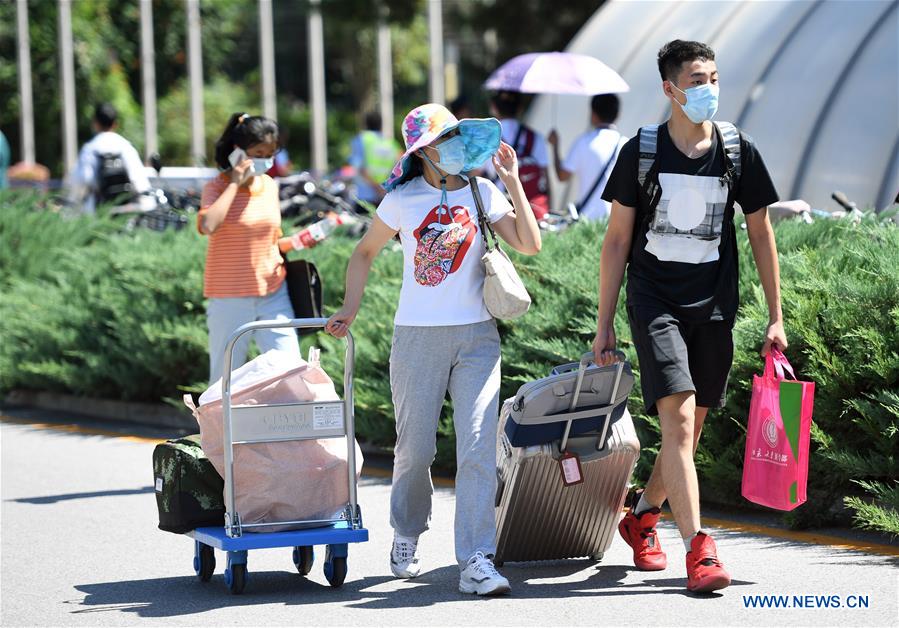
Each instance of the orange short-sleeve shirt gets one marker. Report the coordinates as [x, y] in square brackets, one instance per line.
[243, 259]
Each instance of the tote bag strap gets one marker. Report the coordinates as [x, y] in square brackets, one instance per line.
[483, 223]
[777, 366]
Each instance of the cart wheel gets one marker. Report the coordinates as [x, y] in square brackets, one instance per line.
[335, 570]
[236, 578]
[204, 564]
[303, 558]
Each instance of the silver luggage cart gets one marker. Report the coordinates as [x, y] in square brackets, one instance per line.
[248, 424]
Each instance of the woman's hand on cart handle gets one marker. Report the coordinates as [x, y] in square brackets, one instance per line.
[339, 323]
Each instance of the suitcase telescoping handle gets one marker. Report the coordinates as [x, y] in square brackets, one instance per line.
[586, 360]
[568, 367]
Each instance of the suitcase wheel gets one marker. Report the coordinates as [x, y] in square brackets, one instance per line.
[597, 557]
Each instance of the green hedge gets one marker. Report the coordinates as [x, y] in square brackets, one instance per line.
[89, 310]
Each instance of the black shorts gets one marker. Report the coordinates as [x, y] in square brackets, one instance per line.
[677, 357]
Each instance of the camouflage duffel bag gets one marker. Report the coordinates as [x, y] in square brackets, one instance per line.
[188, 488]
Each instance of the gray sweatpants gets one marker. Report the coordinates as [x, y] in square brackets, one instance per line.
[425, 362]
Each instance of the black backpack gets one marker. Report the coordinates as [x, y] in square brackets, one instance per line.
[647, 169]
[113, 183]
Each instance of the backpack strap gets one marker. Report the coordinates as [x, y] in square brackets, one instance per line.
[647, 176]
[649, 141]
[731, 136]
[529, 138]
[731, 139]
[647, 170]
[517, 136]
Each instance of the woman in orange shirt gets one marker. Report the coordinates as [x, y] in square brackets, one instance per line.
[241, 213]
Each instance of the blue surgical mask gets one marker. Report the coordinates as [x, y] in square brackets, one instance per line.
[702, 102]
[261, 166]
[452, 155]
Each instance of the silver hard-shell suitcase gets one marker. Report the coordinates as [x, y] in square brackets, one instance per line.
[538, 517]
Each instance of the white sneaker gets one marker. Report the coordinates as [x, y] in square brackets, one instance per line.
[480, 576]
[404, 557]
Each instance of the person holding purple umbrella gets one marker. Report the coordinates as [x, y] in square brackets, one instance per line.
[529, 145]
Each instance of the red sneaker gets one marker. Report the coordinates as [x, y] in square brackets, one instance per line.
[640, 534]
[705, 572]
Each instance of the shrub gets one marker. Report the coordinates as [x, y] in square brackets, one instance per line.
[841, 304]
[120, 316]
[31, 238]
[91, 311]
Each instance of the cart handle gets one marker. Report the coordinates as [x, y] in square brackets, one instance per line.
[232, 523]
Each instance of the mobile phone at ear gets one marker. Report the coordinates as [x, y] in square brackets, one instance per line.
[237, 155]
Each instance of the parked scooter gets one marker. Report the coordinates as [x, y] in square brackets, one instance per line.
[306, 201]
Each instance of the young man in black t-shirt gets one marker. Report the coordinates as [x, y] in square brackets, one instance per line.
[673, 191]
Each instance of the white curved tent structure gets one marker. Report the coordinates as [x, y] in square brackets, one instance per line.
[814, 82]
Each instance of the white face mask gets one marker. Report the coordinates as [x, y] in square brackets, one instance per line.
[702, 102]
[261, 165]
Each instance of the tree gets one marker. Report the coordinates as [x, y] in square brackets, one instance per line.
[107, 61]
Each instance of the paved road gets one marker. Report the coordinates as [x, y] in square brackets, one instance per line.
[80, 547]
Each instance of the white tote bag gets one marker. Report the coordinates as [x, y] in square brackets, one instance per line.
[504, 293]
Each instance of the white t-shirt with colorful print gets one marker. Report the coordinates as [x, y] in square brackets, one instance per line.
[443, 277]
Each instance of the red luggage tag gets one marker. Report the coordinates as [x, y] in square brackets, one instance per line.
[570, 465]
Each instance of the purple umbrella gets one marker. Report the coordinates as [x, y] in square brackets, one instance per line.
[556, 73]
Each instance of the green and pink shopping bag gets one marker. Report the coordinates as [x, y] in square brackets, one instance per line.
[775, 466]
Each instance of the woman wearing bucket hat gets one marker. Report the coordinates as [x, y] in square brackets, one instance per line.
[444, 339]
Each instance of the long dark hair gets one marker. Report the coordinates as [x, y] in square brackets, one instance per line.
[244, 130]
[416, 169]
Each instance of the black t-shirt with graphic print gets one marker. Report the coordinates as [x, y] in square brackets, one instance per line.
[683, 257]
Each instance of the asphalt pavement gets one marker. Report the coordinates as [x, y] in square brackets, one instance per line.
[80, 547]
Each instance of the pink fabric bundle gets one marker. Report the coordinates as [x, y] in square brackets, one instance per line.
[284, 481]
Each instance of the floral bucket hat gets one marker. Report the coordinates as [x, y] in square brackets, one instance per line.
[424, 124]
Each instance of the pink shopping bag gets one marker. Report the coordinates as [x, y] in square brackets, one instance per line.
[775, 466]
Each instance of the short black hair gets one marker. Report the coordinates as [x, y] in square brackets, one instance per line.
[372, 121]
[675, 53]
[508, 104]
[105, 115]
[244, 130]
[606, 107]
